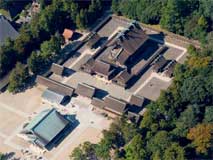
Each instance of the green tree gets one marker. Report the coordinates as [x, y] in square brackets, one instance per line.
[18, 78]
[159, 142]
[208, 118]
[175, 151]
[206, 8]
[7, 57]
[23, 44]
[86, 151]
[103, 148]
[115, 6]
[77, 154]
[187, 119]
[196, 89]
[171, 18]
[36, 63]
[135, 150]
[82, 19]
[51, 48]
[2, 157]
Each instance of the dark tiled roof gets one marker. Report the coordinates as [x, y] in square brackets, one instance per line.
[6, 30]
[136, 100]
[85, 90]
[159, 63]
[115, 105]
[138, 67]
[169, 69]
[57, 69]
[99, 103]
[123, 77]
[102, 68]
[93, 40]
[131, 42]
[122, 58]
[55, 86]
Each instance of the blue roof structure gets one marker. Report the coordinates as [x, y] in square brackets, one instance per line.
[46, 126]
[52, 96]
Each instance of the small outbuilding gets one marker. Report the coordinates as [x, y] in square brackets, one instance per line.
[103, 69]
[169, 69]
[46, 128]
[68, 34]
[98, 103]
[114, 105]
[53, 97]
[94, 39]
[85, 90]
[57, 69]
[136, 100]
[159, 63]
[55, 86]
[122, 78]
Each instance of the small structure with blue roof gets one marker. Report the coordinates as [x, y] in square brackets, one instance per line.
[46, 128]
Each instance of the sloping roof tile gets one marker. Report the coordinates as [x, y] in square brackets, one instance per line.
[98, 102]
[55, 86]
[131, 42]
[123, 77]
[159, 63]
[93, 40]
[57, 69]
[6, 30]
[136, 100]
[101, 67]
[85, 90]
[115, 105]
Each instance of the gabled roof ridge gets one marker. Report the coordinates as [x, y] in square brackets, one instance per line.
[44, 117]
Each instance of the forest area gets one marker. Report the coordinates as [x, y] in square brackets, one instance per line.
[179, 125]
